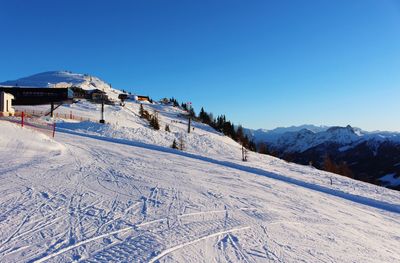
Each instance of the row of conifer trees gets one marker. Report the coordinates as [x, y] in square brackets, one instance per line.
[220, 123]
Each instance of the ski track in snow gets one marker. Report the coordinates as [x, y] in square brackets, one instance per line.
[351, 197]
[172, 249]
[104, 199]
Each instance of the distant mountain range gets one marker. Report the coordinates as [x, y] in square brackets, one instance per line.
[263, 135]
[304, 137]
[370, 156]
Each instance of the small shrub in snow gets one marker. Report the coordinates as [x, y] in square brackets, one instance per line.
[141, 111]
[181, 145]
[174, 145]
[154, 123]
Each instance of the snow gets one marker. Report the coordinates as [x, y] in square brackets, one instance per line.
[15, 141]
[114, 194]
[390, 180]
[118, 192]
[125, 123]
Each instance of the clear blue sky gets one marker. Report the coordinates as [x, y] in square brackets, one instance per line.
[262, 63]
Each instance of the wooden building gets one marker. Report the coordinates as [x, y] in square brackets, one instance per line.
[39, 96]
[143, 98]
[6, 108]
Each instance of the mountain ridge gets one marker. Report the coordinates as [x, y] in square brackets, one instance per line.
[313, 135]
[367, 156]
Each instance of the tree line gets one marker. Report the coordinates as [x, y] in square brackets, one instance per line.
[151, 118]
[220, 123]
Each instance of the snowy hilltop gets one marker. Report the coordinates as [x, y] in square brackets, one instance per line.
[52, 79]
[64, 79]
[118, 192]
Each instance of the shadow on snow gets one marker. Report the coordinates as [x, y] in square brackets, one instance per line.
[395, 208]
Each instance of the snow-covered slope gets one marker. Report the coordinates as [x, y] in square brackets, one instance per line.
[119, 193]
[18, 143]
[125, 123]
[107, 199]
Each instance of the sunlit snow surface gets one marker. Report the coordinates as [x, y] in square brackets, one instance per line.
[119, 193]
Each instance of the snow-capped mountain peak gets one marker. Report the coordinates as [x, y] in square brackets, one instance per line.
[264, 135]
[301, 138]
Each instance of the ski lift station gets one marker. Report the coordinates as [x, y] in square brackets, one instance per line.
[39, 96]
[33, 96]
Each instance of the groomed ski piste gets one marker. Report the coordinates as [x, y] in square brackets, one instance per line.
[119, 193]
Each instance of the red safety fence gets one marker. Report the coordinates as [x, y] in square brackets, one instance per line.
[47, 127]
[67, 116]
[37, 120]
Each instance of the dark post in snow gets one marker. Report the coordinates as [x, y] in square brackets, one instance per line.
[22, 119]
[102, 109]
[52, 109]
[189, 107]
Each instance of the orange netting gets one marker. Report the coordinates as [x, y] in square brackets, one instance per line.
[32, 122]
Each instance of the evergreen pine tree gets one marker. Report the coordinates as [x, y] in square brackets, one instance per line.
[240, 134]
[252, 146]
[154, 122]
[167, 128]
[226, 128]
[246, 142]
[174, 101]
[192, 113]
[202, 115]
[141, 111]
[174, 145]
[184, 106]
[329, 165]
[262, 148]
[232, 132]
[345, 170]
